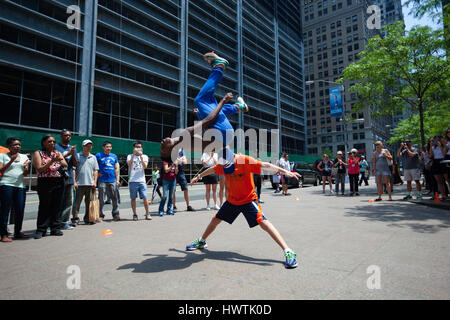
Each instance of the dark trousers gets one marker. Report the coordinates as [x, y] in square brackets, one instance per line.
[50, 192]
[257, 179]
[67, 202]
[353, 178]
[11, 197]
[82, 192]
[363, 178]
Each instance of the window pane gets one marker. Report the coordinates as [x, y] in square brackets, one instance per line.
[154, 132]
[138, 109]
[35, 113]
[63, 93]
[120, 127]
[138, 130]
[100, 124]
[12, 105]
[102, 101]
[62, 117]
[36, 87]
[9, 34]
[154, 116]
[10, 81]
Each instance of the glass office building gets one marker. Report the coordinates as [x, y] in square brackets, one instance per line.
[133, 68]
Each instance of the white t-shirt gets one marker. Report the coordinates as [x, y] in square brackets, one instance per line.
[437, 153]
[137, 173]
[13, 176]
[285, 164]
[209, 160]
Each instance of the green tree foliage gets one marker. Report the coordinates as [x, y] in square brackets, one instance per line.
[402, 71]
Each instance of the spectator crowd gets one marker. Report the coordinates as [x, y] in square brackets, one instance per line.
[61, 170]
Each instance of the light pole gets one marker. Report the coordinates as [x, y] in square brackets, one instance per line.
[342, 89]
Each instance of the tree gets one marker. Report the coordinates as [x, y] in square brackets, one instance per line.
[328, 152]
[436, 122]
[437, 10]
[403, 70]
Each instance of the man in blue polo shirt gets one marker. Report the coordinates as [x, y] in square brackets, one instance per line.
[108, 179]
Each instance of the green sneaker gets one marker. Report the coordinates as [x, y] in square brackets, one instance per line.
[242, 106]
[197, 244]
[214, 60]
[419, 196]
[291, 260]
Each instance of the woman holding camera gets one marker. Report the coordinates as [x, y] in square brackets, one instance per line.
[438, 169]
[49, 165]
[380, 168]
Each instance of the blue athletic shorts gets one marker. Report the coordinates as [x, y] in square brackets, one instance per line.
[138, 186]
[251, 211]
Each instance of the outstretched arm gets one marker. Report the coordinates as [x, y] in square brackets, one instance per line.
[207, 172]
[274, 169]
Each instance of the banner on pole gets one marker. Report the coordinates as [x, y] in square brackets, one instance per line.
[335, 102]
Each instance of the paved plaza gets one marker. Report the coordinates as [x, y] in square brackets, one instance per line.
[347, 247]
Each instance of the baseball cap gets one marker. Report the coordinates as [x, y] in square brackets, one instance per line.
[354, 150]
[339, 152]
[87, 141]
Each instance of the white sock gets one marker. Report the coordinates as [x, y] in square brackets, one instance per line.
[288, 250]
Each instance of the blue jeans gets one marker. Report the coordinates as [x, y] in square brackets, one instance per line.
[11, 197]
[206, 102]
[168, 188]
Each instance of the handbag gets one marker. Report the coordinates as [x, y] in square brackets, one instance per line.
[94, 207]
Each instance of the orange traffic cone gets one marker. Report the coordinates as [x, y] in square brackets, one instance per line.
[107, 232]
[436, 197]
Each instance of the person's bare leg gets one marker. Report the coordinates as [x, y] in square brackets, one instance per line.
[267, 226]
[186, 197]
[221, 191]
[207, 195]
[211, 227]
[379, 186]
[440, 183]
[330, 182]
[133, 206]
[214, 191]
[387, 181]
[145, 205]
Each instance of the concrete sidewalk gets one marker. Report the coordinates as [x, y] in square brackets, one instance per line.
[341, 244]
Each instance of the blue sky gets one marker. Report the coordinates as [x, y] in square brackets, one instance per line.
[410, 21]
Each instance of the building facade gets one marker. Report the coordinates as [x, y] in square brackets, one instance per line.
[133, 68]
[334, 32]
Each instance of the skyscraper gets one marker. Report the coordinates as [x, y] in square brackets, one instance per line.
[334, 32]
[133, 68]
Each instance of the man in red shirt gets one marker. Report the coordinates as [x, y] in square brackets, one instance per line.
[243, 198]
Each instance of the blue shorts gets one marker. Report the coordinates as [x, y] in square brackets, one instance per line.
[138, 186]
[181, 180]
[251, 211]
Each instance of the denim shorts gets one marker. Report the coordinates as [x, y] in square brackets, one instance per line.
[138, 186]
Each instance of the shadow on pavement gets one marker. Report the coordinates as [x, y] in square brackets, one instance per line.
[403, 214]
[164, 262]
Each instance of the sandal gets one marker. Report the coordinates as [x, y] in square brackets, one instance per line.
[6, 239]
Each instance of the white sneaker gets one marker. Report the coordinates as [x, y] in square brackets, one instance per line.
[208, 208]
[216, 207]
